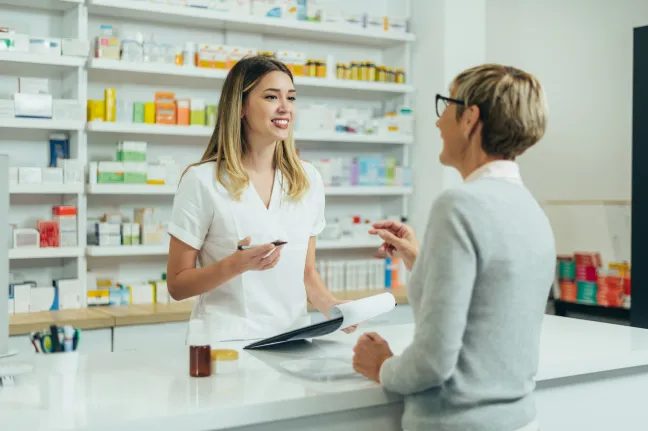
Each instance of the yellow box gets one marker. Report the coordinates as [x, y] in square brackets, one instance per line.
[96, 110]
[149, 112]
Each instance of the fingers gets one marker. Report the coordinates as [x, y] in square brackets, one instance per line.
[388, 224]
[270, 261]
[262, 251]
[389, 237]
[245, 241]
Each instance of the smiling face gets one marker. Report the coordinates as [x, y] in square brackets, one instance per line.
[454, 140]
[269, 109]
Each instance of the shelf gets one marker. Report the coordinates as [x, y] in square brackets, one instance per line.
[45, 189]
[563, 308]
[348, 244]
[368, 191]
[130, 189]
[206, 132]
[44, 253]
[12, 63]
[213, 20]
[128, 250]
[41, 124]
[161, 70]
[58, 5]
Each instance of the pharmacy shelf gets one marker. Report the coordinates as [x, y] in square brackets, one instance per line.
[149, 129]
[130, 189]
[150, 189]
[368, 191]
[45, 189]
[127, 250]
[58, 5]
[42, 124]
[44, 253]
[205, 132]
[162, 250]
[129, 68]
[12, 63]
[214, 20]
[348, 244]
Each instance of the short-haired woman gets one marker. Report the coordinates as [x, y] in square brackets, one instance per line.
[249, 190]
[481, 277]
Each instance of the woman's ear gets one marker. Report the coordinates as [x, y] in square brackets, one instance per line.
[470, 121]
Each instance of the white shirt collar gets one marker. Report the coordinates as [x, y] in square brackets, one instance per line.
[503, 169]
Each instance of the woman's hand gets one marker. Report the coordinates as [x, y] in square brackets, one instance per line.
[348, 329]
[399, 239]
[260, 258]
[369, 353]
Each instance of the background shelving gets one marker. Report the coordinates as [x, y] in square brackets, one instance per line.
[86, 78]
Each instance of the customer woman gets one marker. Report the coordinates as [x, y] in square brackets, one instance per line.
[481, 278]
[249, 190]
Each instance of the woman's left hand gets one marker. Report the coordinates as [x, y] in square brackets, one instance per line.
[369, 354]
[348, 329]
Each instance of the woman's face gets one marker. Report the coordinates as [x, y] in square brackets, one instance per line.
[455, 143]
[269, 110]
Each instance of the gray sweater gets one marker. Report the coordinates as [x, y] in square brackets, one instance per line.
[478, 292]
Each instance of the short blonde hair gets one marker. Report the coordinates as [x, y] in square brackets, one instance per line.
[512, 107]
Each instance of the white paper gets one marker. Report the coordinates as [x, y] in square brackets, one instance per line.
[358, 311]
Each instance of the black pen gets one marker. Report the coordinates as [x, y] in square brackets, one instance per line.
[247, 247]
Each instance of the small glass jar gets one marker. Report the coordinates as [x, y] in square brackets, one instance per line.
[199, 349]
[321, 69]
[355, 70]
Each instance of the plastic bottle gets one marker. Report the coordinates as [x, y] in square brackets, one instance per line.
[199, 349]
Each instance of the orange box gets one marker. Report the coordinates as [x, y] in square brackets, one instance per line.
[164, 96]
[183, 111]
[165, 113]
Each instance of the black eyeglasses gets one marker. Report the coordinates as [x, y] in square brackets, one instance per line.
[443, 101]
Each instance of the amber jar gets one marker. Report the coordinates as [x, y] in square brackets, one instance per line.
[400, 76]
[320, 69]
[311, 68]
[199, 349]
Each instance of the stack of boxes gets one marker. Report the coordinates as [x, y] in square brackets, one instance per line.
[103, 291]
[115, 229]
[28, 297]
[581, 278]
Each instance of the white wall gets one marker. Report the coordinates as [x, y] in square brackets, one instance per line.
[581, 50]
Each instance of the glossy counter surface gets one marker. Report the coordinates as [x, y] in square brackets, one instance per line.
[152, 390]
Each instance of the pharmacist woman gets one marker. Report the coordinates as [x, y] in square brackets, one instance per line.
[250, 189]
[482, 275]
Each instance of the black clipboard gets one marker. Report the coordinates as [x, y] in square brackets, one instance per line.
[310, 331]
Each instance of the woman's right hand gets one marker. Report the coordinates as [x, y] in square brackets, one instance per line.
[260, 258]
[399, 239]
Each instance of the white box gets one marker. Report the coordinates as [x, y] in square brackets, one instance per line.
[22, 298]
[33, 85]
[13, 175]
[33, 105]
[75, 47]
[42, 298]
[141, 293]
[10, 305]
[7, 108]
[20, 43]
[72, 171]
[68, 238]
[69, 293]
[52, 175]
[267, 8]
[45, 46]
[67, 110]
[30, 175]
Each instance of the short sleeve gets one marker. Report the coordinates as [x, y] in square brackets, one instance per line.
[319, 203]
[192, 211]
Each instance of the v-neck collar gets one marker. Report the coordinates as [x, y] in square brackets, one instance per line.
[275, 196]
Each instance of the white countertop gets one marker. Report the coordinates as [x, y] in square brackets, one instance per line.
[152, 390]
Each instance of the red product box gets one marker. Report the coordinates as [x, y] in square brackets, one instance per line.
[49, 233]
[586, 273]
[64, 211]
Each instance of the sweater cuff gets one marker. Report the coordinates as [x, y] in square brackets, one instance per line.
[387, 372]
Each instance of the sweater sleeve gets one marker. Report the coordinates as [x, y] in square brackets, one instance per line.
[444, 273]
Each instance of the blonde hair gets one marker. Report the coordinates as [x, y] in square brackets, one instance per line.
[512, 107]
[227, 145]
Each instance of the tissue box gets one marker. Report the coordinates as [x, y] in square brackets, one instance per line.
[33, 105]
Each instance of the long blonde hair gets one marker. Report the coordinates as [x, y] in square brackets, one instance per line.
[227, 145]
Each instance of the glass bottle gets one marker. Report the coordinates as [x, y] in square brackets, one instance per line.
[199, 349]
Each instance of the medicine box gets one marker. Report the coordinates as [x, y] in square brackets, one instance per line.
[72, 171]
[110, 172]
[52, 175]
[98, 297]
[69, 293]
[45, 46]
[33, 105]
[135, 172]
[75, 47]
[30, 175]
[49, 233]
[131, 151]
[22, 297]
[43, 298]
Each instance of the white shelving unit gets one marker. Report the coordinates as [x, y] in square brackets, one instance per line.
[85, 78]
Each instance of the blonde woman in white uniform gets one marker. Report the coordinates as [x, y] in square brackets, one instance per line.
[250, 189]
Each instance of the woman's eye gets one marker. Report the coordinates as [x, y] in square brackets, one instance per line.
[271, 97]
[292, 99]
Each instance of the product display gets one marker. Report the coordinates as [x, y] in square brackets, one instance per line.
[105, 291]
[363, 121]
[61, 231]
[27, 296]
[13, 41]
[362, 171]
[116, 229]
[363, 274]
[582, 278]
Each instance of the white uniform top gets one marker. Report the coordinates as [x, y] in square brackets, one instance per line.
[256, 304]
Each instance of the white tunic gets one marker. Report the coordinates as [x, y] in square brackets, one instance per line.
[256, 304]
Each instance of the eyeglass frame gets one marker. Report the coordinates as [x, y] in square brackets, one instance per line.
[446, 100]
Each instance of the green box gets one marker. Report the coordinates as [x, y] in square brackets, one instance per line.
[586, 292]
[110, 177]
[138, 112]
